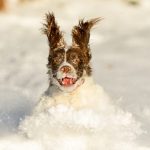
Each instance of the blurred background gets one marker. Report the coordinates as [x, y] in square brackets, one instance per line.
[120, 45]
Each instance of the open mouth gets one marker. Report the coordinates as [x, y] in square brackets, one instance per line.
[67, 81]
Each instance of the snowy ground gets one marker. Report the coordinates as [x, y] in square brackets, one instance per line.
[120, 47]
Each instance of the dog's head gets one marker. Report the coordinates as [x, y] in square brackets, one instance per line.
[68, 65]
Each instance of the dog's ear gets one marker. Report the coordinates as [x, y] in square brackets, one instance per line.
[80, 39]
[52, 30]
[81, 33]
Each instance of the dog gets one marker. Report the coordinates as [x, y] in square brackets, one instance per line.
[69, 67]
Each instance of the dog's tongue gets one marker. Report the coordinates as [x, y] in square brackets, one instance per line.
[67, 81]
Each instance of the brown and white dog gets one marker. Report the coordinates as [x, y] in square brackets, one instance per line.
[69, 67]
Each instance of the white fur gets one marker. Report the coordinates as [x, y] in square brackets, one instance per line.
[83, 120]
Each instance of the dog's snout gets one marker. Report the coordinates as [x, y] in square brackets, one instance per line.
[65, 69]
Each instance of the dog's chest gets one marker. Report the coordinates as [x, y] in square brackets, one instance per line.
[74, 100]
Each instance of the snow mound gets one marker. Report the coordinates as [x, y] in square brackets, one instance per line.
[18, 142]
[62, 127]
[102, 125]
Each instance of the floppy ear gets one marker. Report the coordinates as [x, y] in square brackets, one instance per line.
[54, 35]
[80, 39]
[81, 33]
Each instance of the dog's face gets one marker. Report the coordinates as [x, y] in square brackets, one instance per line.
[68, 65]
[67, 68]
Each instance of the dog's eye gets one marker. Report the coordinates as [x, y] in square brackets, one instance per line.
[74, 59]
[57, 59]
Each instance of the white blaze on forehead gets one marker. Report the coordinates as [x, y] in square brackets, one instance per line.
[66, 49]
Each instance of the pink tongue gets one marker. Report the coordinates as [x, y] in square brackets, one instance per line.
[67, 81]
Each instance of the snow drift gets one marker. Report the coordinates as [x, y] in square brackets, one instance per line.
[62, 127]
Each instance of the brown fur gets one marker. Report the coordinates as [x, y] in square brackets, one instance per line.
[80, 38]
[57, 59]
[81, 33]
[76, 59]
[54, 35]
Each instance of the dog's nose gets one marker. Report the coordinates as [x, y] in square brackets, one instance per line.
[65, 69]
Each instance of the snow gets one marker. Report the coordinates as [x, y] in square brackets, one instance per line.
[120, 48]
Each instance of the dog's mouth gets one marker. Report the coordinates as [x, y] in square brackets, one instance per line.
[67, 81]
